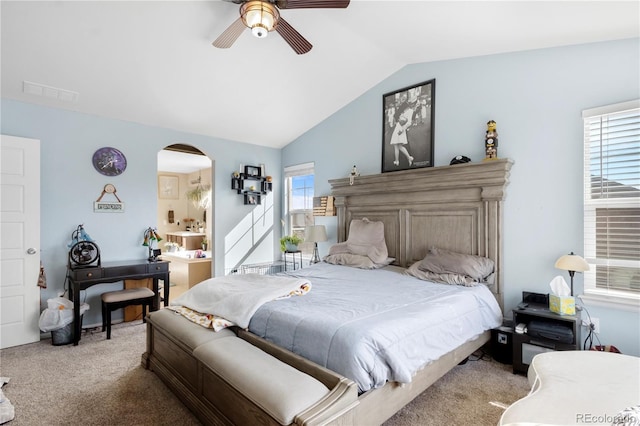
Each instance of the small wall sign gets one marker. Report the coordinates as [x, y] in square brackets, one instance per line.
[100, 206]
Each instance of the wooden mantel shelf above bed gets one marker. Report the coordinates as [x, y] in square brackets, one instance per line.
[491, 177]
[457, 208]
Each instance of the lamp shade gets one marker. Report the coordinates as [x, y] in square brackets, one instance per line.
[572, 262]
[316, 233]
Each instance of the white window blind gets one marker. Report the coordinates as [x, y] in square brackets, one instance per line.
[612, 199]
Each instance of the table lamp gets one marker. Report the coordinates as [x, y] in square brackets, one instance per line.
[315, 234]
[572, 263]
[151, 235]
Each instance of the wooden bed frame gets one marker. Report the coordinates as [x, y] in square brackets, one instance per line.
[458, 208]
[451, 207]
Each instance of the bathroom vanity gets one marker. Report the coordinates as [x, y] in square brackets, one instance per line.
[186, 269]
[186, 239]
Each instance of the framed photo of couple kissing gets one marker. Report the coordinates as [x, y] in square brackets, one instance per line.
[407, 127]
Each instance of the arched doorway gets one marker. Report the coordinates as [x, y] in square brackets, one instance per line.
[185, 219]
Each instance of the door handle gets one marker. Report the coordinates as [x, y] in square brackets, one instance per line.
[31, 250]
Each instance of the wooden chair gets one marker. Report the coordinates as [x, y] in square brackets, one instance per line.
[113, 300]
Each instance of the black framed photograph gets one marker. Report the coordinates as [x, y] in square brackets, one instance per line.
[252, 198]
[252, 171]
[407, 127]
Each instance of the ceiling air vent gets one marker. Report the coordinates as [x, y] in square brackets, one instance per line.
[37, 89]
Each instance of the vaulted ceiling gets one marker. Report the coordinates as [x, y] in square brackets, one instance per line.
[152, 62]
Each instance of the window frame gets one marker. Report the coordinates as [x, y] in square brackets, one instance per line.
[619, 298]
[304, 169]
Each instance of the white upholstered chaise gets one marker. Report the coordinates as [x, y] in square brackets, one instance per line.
[577, 388]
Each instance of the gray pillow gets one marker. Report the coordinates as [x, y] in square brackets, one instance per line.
[356, 261]
[444, 278]
[442, 261]
[366, 238]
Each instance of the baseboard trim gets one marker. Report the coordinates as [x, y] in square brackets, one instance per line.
[47, 335]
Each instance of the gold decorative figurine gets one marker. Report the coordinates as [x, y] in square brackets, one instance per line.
[491, 141]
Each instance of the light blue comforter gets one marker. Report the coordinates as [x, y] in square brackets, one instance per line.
[374, 326]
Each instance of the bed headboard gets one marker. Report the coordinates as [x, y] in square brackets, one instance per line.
[458, 208]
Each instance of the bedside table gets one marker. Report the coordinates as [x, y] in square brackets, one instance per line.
[546, 331]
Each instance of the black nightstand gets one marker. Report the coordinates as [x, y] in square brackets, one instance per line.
[546, 331]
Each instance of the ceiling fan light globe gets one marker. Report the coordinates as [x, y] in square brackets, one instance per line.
[260, 16]
[259, 31]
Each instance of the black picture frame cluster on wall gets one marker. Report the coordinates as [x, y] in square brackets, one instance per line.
[408, 127]
[251, 184]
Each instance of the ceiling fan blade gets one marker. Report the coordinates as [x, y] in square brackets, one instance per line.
[293, 37]
[230, 35]
[312, 4]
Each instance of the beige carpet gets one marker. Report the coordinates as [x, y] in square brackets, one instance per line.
[101, 382]
[464, 396]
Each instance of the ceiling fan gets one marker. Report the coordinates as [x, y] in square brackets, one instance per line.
[264, 16]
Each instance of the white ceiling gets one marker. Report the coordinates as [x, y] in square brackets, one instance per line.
[180, 162]
[152, 62]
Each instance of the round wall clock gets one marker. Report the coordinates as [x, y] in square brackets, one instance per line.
[109, 161]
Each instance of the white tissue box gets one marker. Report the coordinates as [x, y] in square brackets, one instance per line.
[563, 305]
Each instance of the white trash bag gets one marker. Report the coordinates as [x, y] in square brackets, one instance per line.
[7, 410]
[58, 314]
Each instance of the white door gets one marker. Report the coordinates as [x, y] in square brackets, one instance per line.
[19, 240]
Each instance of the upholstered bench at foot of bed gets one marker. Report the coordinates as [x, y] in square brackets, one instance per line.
[227, 379]
[183, 330]
[277, 388]
[176, 353]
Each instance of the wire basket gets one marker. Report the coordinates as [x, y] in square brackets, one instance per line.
[261, 268]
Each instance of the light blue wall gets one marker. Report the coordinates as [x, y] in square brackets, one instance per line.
[70, 185]
[536, 98]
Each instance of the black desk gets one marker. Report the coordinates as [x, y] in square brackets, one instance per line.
[110, 272]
